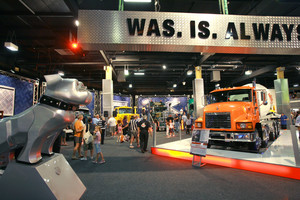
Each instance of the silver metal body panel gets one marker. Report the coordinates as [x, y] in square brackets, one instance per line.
[231, 138]
[109, 30]
[35, 129]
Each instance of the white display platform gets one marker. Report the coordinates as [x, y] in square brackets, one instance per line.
[280, 152]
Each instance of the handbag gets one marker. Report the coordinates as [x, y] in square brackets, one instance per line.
[88, 137]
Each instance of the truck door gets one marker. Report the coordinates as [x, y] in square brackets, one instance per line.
[255, 105]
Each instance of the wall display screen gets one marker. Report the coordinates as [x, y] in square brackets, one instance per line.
[7, 100]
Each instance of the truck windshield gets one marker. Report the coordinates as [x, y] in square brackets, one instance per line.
[231, 95]
[124, 110]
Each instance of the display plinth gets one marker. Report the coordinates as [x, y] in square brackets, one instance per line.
[52, 178]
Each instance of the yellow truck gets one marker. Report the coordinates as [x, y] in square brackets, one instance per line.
[121, 112]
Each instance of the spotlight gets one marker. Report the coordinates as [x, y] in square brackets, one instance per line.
[183, 83]
[76, 22]
[189, 72]
[126, 72]
[74, 45]
[130, 85]
[139, 73]
[174, 85]
[248, 72]
[296, 85]
[61, 73]
[164, 67]
[11, 46]
[138, 1]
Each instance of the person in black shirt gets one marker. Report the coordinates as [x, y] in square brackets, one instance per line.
[144, 128]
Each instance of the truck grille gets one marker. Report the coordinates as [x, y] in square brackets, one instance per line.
[217, 120]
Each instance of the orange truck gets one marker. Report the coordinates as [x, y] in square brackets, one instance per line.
[241, 115]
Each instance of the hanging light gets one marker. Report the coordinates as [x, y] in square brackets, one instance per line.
[138, 1]
[126, 70]
[189, 72]
[11, 46]
[76, 22]
[248, 72]
[61, 73]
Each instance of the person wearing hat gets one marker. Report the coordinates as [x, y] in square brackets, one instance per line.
[144, 128]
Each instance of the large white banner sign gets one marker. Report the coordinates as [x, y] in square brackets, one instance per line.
[186, 32]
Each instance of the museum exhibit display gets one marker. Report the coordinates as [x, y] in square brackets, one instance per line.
[28, 135]
[218, 82]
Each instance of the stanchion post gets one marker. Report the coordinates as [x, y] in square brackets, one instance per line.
[154, 135]
[179, 133]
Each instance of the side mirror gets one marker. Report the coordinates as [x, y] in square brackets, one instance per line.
[265, 99]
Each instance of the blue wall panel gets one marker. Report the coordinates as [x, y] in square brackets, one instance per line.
[23, 92]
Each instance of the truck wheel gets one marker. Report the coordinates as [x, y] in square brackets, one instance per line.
[255, 146]
[264, 143]
[273, 134]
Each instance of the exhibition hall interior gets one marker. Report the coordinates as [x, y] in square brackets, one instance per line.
[149, 99]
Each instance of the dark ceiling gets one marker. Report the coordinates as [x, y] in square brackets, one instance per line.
[44, 29]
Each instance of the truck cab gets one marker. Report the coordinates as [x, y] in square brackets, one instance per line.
[238, 115]
[120, 112]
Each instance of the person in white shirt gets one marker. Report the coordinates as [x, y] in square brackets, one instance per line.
[112, 122]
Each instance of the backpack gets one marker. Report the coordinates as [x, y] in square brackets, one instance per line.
[88, 137]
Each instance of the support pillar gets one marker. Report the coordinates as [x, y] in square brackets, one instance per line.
[282, 95]
[198, 90]
[107, 91]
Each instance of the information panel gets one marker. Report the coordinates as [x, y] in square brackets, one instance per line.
[199, 142]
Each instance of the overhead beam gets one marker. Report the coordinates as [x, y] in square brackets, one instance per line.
[254, 74]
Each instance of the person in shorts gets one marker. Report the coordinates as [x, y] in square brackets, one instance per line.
[133, 131]
[112, 122]
[91, 128]
[97, 139]
[78, 127]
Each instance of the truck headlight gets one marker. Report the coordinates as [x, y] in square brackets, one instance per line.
[198, 124]
[244, 125]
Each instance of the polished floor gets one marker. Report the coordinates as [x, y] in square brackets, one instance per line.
[130, 174]
[280, 152]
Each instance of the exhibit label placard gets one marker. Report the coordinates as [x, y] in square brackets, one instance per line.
[199, 142]
[187, 32]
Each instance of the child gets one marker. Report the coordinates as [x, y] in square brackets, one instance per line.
[97, 139]
[171, 129]
[119, 131]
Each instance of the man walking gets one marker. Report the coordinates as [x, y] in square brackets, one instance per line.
[112, 122]
[144, 128]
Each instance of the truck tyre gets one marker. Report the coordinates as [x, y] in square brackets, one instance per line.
[273, 134]
[264, 143]
[255, 146]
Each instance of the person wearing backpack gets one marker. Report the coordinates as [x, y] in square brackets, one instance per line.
[89, 146]
[133, 128]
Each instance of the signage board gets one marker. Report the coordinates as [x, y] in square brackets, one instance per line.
[187, 32]
[199, 142]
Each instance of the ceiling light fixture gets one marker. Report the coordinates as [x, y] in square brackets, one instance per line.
[183, 83]
[174, 85]
[126, 71]
[189, 72]
[139, 73]
[138, 1]
[296, 85]
[130, 85]
[61, 73]
[12, 71]
[164, 67]
[74, 45]
[248, 72]
[11, 46]
[76, 22]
